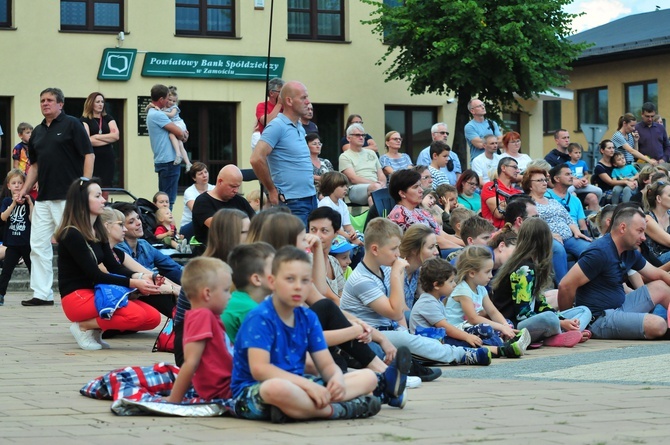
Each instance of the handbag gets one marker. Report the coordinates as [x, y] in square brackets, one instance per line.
[165, 340]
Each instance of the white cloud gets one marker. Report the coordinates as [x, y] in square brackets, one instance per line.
[597, 12]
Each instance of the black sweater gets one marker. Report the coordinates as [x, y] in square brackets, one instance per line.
[78, 269]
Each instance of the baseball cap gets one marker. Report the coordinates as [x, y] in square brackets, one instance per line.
[340, 245]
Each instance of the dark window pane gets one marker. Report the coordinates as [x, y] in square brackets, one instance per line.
[4, 13]
[298, 23]
[332, 5]
[219, 2]
[328, 24]
[551, 116]
[106, 14]
[188, 2]
[300, 4]
[219, 20]
[187, 19]
[73, 13]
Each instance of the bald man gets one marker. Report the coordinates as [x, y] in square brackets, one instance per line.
[281, 158]
[222, 196]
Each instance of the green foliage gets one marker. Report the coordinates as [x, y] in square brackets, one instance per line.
[492, 49]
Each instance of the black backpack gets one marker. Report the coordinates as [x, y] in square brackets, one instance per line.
[147, 212]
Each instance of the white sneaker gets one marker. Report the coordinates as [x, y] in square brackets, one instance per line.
[413, 382]
[97, 336]
[84, 338]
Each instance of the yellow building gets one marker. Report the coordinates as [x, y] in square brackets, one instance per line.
[627, 66]
[48, 43]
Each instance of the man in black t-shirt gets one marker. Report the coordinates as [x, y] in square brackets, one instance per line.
[222, 196]
[60, 151]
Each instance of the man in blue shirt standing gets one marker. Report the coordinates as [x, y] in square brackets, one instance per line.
[653, 140]
[160, 126]
[478, 127]
[596, 281]
[281, 158]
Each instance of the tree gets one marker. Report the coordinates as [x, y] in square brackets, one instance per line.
[491, 49]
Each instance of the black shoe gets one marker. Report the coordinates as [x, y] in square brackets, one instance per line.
[361, 407]
[277, 415]
[37, 302]
[424, 373]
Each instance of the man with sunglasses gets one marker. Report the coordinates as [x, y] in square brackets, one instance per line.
[361, 166]
[495, 193]
[561, 178]
[453, 168]
[60, 151]
[268, 110]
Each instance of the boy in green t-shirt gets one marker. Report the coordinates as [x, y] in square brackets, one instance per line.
[251, 264]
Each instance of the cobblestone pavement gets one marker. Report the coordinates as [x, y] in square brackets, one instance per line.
[600, 392]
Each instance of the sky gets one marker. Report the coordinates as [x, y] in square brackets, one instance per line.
[599, 12]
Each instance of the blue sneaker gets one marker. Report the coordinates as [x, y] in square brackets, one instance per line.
[395, 375]
[400, 401]
[476, 356]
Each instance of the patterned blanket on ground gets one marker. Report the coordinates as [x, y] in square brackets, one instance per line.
[141, 390]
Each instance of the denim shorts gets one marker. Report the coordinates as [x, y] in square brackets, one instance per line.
[625, 322]
[251, 406]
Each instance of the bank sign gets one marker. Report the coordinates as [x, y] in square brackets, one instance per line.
[117, 64]
[210, 66]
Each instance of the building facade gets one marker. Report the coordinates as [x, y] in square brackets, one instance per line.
[215, 53]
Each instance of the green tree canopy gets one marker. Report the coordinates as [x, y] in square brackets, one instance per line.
[491, 49]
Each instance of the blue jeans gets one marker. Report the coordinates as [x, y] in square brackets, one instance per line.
[168, 179]
[187, 230]
[575, 246]
[560, 260]
[302, 207]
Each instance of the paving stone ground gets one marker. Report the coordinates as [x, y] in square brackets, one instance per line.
[600, 392]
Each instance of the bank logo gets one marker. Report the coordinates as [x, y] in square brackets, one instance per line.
[117, 64]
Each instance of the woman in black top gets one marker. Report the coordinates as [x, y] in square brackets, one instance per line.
[103, 131]
[86, 259]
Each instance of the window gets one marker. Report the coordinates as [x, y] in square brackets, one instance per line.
[551, 116]
[316, 20]
[211, 126]
[391, 4]
[413, 124]
[329, 119]
[205, 18]
[592, 106]
[5, 13]
[639, 93]
[91, 15]
[8, 137]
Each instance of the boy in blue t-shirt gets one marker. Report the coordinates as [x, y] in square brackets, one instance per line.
[17, 217]
[270, 351]
[621, 169]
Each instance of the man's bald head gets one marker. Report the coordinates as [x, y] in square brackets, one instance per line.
[228, 182]
[294, 100]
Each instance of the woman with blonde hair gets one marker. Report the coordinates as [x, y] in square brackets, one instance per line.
[393, 160]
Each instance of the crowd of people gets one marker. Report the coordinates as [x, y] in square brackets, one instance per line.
[468, 266]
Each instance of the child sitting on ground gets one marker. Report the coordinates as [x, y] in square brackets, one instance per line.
[458, 215]
[271, 346]
[334, 186]
[341, 250]
[375, 293]
[207, 361]
[252, 265]
[469, 307]
[437, 281]
[165, 231]
[17, 213]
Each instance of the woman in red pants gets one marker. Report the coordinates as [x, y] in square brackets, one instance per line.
[84, 260]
